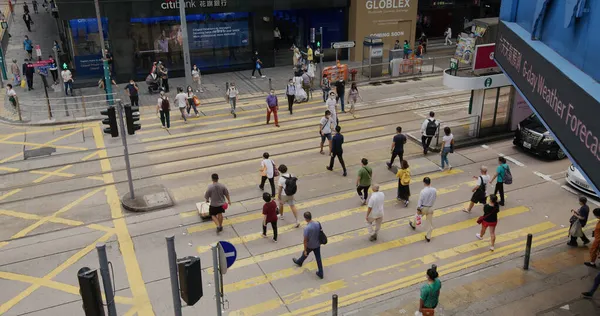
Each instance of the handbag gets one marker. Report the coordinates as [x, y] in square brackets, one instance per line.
[196, 100]
[322, 236]
[275, 171]
[23, 83]
[480, 219]
[257, 65]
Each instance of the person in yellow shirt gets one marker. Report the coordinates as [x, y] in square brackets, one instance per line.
[309, 54]
[403, 176]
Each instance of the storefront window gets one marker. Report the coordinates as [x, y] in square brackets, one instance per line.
[218, 40]
[496, 107]
[86, 46]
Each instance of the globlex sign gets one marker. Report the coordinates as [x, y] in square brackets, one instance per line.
[387, 4]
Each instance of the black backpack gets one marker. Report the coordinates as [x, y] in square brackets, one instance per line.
[290, 185]
[508, 179]
[431, 128]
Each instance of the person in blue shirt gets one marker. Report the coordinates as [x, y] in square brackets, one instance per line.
[336, 150]
[311, 243]
[500, 174]
[28, 46]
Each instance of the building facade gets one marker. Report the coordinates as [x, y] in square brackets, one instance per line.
[548, 50]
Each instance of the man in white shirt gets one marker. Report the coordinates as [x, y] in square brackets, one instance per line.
[425, 206]
[429, 128]
[331, 106]
[68, 80]
[325, 127]
[12, 95]
[480, 190]
[375, 212]
[286, 194]
[232, 96]
[181, 99]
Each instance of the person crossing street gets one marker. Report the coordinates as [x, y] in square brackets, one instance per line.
[311, 243]
[272, 107]
[232, 97]
[425, 207]
[397, 147]
[596, 244]
[363, 181]
[216, 194]
[429, 129]
[336, 150]
[375, 212]
[290, 93]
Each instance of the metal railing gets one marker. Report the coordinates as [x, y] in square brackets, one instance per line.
[76, 107]
[463, 129]
[408, 68]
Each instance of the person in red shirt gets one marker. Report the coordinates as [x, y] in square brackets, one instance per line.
[269, 215]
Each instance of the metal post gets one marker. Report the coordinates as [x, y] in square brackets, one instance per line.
[527, 252]
[270, 85]
[216, 271]
[173, 273]
[108, 286]
[334, 305]
[62, 84]
[433, 65]
[45, 84]
[336, 56]
[186, 46]
[108, 84]
[83, 105]
[125, 150]
[2, 65]
[322, 49]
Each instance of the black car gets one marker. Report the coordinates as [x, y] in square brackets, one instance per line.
[532, 135]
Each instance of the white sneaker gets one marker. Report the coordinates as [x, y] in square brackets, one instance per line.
[478, 236]
[492, 248]
[297, 224]
[253, 77]
[449, 167]
[263, 235]
[441, 169]
[263, 76]
[362, 200]
[280, 217]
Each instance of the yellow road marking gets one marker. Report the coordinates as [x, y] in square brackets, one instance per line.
[9, 169]
[229, 120]
[359, 253]
[424, 260]
[329, 218]
[90, 156]
[63, 287]
[56, 220]
[46, 144]
[3, 243]
[63, 266]
[132, 267]
[185, 173]
[10, 193]
[266, 137]
[313, 203]
[52, 173]
[462, 264]
[38, 145]
[37, 224]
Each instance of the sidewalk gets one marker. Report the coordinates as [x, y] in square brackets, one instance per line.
[552, 286]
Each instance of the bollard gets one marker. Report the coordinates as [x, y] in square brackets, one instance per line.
[19, 109]
[527, 252]
[334, 305]
[270, 85]
[433, 65]
[83, 105]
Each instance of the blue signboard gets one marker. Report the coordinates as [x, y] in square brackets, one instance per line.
[229, 251]
[218, 34]
[89, 66]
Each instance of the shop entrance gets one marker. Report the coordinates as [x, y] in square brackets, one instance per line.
[295, 28]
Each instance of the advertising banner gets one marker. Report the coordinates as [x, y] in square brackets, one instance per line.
[566, 108]
[218, 35]
[89, 66]
[465, 49]
[484, 57]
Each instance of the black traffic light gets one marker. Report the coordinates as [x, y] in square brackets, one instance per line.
[89, 288]
[111, 121]
[132, 115]
[190, 279]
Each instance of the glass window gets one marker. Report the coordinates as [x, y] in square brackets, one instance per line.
[489, 107]
[503, 108]
[218, 40]
[86, 46]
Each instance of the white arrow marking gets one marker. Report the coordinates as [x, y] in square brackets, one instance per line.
[229, 254]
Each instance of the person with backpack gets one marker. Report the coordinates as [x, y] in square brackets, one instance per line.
[489, 219]
[287, 190]
[164, 108]
[428, 130]
[363, 181]
[403, 176]
[269, 215]
[448, 147]
[503, 175]
[480, 190]
[306, 84]
[325, 87]
[267, 171]
[312, 243]
[232, 96]
[290, 93]
[336, 150]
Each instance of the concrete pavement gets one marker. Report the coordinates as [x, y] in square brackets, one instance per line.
[55, 209]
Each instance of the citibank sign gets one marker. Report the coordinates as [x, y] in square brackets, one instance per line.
[387, 4]
[174, 4]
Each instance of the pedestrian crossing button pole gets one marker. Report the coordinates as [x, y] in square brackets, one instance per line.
[527, 252]
[334, 305]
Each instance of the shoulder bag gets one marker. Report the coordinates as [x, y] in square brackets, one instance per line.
[322, 236]
[275, 171]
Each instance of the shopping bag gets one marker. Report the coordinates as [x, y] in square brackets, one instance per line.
[23, 83]
[196, 100]
[418, 219]
[203, 208]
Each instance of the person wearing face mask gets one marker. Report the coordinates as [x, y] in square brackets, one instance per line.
[132, 91]
[272, 106]
[331, 106]
[290, 92]
[191, 98]
[196, 78]
[232, 95]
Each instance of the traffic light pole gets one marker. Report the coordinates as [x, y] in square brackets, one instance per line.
[107, 80]
[125, 150]
[186, 46]
[108, 286]
[217, 272]
[173, 273]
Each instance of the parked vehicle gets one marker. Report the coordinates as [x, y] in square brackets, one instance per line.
[576, 180]
[532, 135]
